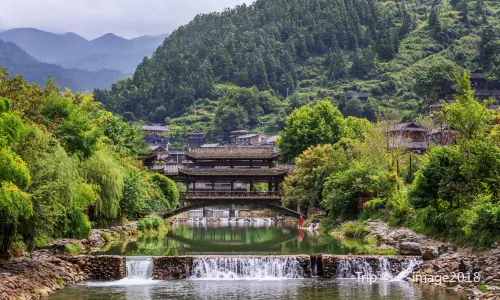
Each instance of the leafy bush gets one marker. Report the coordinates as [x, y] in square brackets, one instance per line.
[355, 229]
[149, 223]
[360, 180]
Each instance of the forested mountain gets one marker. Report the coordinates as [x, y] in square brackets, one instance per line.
[16, 61]
[73, 51]
[310, 50]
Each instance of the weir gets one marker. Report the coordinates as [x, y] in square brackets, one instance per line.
[246, 268]
[283, 266]
[139, 267]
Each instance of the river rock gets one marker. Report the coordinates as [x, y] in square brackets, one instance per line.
[430, 252]
[409, 248]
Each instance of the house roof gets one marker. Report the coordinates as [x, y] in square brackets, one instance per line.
[177, 152]
[358, 94]
[196, 133]
[210, 145]
[477, 76]
[435, 105]
[406, 127]
[232, 153]
[272, 139]
[487, 93]
[155, 147]
[233, 172]
[154, 128]
[246, 136]
[235, 132]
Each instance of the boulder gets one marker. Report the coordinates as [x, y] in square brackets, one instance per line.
[409, 248]
[430, 252]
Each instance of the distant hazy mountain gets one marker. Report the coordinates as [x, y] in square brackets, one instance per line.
[73, 51]
[17, 61]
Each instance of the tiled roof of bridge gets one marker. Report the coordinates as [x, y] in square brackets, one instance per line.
[233, 153]
[233, 172]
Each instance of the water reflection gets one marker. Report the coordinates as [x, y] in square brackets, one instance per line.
[320, 289]
[196, 238]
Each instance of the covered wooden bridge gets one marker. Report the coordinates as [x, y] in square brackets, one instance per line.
[229, 176]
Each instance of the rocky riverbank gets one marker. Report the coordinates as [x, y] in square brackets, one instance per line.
[53, 266]
[441, 261]
[100, 237]
[37, 276]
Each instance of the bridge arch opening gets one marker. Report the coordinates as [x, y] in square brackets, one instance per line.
[274, 207]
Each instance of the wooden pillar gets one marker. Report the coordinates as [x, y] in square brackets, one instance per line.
[232, 211]
[269, 186]
[276, 187]
[232, 187]
[194, 185]
[213, 185]
[251, 186]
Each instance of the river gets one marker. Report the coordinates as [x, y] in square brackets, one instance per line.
[228, 272]
[258, 238]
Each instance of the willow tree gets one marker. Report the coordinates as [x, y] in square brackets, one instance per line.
[106, 174]
[15, 203]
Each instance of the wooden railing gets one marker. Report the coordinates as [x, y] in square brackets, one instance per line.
[229, 195]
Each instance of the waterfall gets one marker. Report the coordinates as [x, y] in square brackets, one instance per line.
[384, 269]
[409, 266]
[359, 266]
[139, 267]
[349, 268]
[246, 268]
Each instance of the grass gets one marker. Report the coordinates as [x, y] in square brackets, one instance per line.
[60, 281]
[355, 229]
[356, 235]
[106, 236]
[72, 248]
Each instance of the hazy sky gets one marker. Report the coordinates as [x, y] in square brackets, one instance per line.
[93, 18]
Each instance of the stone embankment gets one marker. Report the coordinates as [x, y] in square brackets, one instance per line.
[51, 267]
[45, 272]
[443, 259]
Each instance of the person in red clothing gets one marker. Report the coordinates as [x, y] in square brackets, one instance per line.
[301, 221]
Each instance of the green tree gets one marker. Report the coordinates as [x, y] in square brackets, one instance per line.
[370, 111]
[169, 189]
[471, 118]
[312, 168]
[354, 108]
[360, 181]
[437, 81]
[310, 126]
[107, 175]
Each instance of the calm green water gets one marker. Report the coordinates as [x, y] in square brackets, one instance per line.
[314, 289]
[232, 238]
